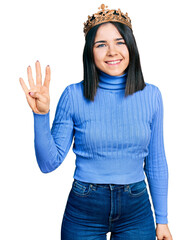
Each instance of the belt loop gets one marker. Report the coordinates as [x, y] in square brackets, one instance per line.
[111, 186]
[126, 187]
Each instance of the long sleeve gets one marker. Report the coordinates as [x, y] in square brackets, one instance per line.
[52, 146]
[156, 167]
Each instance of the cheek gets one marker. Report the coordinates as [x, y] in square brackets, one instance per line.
[98, 57]
[125, 54]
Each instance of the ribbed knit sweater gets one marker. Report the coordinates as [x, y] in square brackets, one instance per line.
[117, 139]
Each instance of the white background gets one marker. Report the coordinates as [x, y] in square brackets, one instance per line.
[32, 203]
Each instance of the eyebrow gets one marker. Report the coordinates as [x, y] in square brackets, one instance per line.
[103, 41]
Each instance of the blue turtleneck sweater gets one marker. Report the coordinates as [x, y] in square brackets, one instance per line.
[117, 139]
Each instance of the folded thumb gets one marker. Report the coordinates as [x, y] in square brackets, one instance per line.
[32, 94]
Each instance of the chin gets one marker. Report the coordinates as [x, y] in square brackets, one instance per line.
[114, 73]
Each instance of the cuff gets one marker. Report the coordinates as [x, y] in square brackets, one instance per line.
[41, 123]
[161, 220]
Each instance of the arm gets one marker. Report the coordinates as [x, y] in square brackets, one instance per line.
[52, 146]
[156, 167]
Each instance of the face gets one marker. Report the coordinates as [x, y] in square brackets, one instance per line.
[110, 52]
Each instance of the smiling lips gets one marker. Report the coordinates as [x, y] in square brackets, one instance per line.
[115, 62]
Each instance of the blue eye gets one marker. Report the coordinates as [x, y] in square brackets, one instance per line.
[120, 43]
[100, 45]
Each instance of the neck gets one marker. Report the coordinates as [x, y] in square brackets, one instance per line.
[112, 82]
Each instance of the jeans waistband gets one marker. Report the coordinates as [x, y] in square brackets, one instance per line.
[111, 186]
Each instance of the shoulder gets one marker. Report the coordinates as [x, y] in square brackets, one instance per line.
[73, 93]
[153, 93]
[153, 90]
[152, 87]
[68, 96]
[73, 87]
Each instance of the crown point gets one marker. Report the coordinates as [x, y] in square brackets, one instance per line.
[102, 6]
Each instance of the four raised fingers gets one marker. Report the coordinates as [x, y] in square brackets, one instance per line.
[38, 78]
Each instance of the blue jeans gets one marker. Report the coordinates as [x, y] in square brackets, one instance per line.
[93, 210]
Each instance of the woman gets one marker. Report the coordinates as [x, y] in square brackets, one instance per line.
[116, 120]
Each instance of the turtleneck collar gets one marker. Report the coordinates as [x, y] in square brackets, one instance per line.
[112, 82]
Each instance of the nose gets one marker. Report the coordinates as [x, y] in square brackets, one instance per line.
[111, 50]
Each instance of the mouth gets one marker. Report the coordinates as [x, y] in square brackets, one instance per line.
[114, 62]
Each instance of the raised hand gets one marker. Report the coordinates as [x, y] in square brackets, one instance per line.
[38, 95]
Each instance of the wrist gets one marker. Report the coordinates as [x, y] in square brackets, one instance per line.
[161, 225]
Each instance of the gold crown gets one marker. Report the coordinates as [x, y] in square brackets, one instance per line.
[106, 15]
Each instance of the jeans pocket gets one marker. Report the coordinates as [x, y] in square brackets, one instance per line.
[81, 189]
[137, 189]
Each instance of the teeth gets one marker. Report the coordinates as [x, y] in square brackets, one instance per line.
[114, 62]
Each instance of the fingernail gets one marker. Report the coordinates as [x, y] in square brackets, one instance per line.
[31, 93]
[37, 60]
